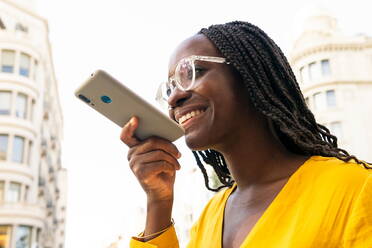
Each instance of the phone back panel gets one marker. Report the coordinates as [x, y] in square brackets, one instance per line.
[125, 104]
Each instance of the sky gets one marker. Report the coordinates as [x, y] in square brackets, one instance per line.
[132, 40]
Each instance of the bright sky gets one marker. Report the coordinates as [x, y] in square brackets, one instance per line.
[132, 40]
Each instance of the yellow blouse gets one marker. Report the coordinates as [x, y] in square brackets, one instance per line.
[325, 203]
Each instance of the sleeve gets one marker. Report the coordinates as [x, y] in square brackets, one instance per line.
[358, 232]
[168, 239]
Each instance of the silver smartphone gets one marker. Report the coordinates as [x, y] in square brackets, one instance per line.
[112, 99]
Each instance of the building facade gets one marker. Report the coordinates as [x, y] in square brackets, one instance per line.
[32, 180]
[334, 71]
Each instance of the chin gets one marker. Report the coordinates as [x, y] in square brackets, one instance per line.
[197, 142]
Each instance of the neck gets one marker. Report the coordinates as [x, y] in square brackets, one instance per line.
[260, 161]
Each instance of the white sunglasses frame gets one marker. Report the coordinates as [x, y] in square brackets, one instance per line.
[159, 95]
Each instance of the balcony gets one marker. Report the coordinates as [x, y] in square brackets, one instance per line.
[17, 169]
[14, 80]
[22, 212]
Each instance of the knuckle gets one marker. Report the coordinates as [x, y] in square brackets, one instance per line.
[123, 136]
[130, 154]
[138, 172]
[151, 142]
[133, 163]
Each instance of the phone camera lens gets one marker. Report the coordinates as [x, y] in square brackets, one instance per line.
[106, 99]
[84, 98]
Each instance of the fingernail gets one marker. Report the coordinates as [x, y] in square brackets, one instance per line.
[179, 155]
[131, 122]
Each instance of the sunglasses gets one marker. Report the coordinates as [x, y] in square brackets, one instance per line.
[185, 75]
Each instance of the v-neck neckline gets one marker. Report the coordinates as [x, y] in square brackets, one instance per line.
[256, 226]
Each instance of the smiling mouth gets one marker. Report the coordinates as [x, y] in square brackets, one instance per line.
[189, 116]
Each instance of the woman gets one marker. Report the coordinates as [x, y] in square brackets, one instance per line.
[287, 183]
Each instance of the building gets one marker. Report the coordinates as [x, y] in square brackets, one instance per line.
[32, 180]
[334, 71]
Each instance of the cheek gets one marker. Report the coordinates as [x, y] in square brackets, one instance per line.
[222, 116]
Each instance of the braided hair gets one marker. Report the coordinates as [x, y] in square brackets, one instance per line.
[273, 91]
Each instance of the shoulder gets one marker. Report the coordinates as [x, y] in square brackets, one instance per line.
[330, 172]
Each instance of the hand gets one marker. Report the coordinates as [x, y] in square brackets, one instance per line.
[153, 161]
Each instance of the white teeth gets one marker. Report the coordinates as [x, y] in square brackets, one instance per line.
[189, 116]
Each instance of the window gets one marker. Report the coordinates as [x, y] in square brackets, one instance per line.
[5, 236]
[24, 66]
[14, 193]
[21, 27]
[3, 146]
[313, 72]
[23, 237]
[21, 105]
[38, 235]
[331, 98]
[5, 102]
[326, 69]
[319, 102]
[336, 129]
[18, 149]
[304, 74]
[1, 193]
[7, 61]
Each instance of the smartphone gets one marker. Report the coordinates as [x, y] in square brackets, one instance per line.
[112, 99]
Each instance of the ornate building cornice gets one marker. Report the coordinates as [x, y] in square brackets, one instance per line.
[307, 88]
[330, 47]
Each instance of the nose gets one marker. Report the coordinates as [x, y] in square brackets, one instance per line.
[178, 97]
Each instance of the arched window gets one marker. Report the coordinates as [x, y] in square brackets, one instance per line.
[21, 106]
[5, 102]
[18, 149]
[7, 61]
[24, 65]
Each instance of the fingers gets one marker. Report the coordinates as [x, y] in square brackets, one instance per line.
[127, 133]
[146, 171]
[153, 160]
[154, 157]
[152, 144]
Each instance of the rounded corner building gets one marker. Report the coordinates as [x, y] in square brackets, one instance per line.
[32, 179]
[334, 71]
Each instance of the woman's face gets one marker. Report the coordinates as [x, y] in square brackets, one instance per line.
[218, 104]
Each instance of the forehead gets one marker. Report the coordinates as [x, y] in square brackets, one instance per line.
[195, 45]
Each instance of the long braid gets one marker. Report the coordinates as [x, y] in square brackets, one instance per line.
[273, 91]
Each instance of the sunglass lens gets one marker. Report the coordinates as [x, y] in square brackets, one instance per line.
[185, 73]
